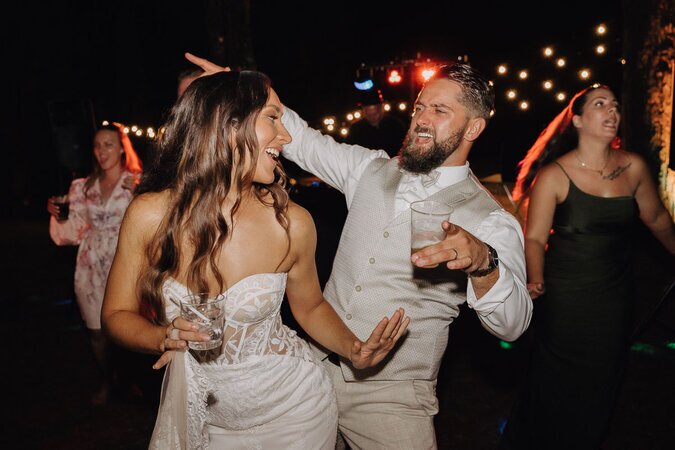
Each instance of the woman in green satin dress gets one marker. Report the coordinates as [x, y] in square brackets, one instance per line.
[585, 195]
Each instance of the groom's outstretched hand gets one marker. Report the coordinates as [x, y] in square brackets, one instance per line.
[381, 341]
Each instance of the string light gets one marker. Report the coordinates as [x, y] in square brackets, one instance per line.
[134, 130]
[395, 77]
[502, 70]
[427, 73]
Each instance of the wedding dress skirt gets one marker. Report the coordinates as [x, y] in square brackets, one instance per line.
[264, 391]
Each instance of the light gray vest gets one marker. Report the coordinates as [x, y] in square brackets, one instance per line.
[372, 274]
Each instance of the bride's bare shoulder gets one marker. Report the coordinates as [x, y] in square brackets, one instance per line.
[301, 222]
[146, 211]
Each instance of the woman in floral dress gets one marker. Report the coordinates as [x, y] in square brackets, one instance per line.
[97, 205]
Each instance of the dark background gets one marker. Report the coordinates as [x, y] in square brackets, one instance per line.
[70, 64]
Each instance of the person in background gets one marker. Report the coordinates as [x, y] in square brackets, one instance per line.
[585, 195]
[212, 215]
[97, 204]
[376, 129]
[393, 405]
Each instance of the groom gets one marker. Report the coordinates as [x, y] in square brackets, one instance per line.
[392, 405]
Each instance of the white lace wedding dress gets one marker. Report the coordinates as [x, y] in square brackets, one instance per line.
[264, 391]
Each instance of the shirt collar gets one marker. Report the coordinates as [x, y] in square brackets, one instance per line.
[447, 175]
[452, 174]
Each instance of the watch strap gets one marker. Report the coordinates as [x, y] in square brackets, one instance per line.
[493, 263]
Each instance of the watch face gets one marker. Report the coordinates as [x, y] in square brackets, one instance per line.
[495, 257]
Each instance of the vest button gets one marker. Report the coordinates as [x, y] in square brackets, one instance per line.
[358, 288]
[371, 260]
[386, 234]
[349, 317]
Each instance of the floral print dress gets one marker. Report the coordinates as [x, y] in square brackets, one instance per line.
[94, 226]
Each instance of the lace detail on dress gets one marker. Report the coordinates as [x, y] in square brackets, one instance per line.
[181, 421]
[264, 390]
[198, 388]
[253, 325]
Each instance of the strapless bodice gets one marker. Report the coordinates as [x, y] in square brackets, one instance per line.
[253, 325]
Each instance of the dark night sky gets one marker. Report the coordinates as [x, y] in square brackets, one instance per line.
[124, 56]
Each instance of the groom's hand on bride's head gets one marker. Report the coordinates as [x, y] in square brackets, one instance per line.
[207, 66]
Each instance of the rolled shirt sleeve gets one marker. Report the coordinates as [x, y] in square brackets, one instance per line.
[506, 309]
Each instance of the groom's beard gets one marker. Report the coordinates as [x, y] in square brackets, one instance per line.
[418, 160]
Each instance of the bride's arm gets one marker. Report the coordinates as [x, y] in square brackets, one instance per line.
[317, 317]
[121, 318]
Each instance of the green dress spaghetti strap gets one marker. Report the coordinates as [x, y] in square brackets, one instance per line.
[581, 326]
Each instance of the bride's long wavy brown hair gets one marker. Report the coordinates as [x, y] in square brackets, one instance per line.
[199, 159]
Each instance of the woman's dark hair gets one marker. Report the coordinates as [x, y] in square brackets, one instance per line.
[554, 141]
[199, 159]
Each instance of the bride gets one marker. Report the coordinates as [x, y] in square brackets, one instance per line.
[211, 215]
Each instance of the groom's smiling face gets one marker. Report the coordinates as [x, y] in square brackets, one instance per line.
[437, 128]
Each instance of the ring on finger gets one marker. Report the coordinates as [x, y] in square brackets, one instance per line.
[456, 253]
[173, 334]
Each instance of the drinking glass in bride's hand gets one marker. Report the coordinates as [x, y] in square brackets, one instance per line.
[209, 314]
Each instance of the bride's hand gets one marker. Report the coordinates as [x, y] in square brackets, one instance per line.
[381, 341]
[178, 332]
[207, 66]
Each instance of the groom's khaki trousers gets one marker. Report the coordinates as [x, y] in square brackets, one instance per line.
[385, 415]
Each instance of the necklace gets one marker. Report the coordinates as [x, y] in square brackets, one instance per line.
[586, 166]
